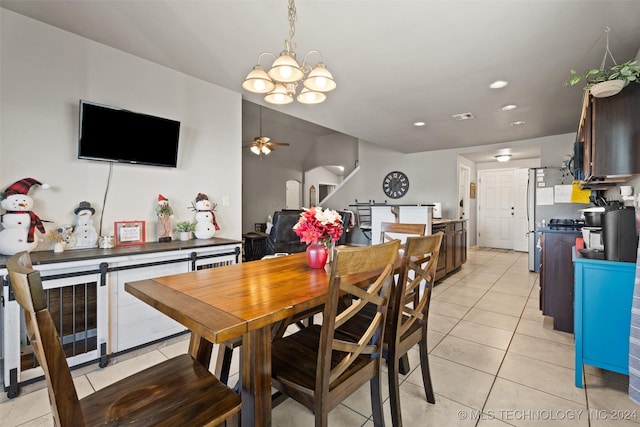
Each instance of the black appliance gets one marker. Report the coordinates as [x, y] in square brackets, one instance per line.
[565, 224]
[620, 235]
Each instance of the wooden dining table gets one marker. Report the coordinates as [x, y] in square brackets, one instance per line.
[241, 300]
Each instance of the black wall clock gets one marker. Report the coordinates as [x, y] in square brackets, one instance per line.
[395, 184]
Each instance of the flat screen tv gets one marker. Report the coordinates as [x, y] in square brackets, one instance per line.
[116, 135]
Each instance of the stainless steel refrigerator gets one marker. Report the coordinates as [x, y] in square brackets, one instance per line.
[548, 191]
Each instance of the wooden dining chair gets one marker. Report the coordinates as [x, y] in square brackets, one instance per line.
[395, 230]
[318, 366]
[408, 316]
[178, 391]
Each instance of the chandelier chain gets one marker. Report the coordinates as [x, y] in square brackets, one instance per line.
[292, 19]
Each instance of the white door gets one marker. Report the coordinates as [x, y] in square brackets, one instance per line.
[520, 222]
[496, 210]
[292, 198]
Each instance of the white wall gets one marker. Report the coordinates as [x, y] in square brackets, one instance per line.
[44, 73]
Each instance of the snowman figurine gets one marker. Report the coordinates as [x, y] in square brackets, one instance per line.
[206, 225]
[19, 222]
[84, 233]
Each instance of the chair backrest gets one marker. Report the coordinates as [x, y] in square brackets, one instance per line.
[412, 295]
[43, 336]
[395, 230]
[352, 266]
[282, 238]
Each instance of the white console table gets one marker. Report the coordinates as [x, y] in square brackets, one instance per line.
[112, 321]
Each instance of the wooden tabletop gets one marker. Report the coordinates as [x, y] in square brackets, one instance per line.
[226, 302]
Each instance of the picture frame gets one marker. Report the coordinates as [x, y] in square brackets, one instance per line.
[472, 190]
[130, 233]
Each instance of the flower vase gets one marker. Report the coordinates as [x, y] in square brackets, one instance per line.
[317, 255]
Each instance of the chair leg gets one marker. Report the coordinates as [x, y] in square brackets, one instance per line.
[426, 374]
[393, 366]
[376, 400]
[404, 368]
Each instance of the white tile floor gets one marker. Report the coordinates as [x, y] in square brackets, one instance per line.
[495, 361]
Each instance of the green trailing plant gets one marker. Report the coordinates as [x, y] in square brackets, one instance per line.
[185, 226]
[627, 71]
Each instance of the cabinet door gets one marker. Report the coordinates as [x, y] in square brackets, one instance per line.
[558, 278]
[134, 322]
[615, 133]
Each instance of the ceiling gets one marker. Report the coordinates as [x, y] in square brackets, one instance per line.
[395, 62]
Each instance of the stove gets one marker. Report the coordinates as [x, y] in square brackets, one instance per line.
[566, 224]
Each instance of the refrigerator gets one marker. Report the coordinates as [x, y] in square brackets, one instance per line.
[548, 197]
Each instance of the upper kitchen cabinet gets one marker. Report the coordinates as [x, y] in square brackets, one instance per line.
[610, 130]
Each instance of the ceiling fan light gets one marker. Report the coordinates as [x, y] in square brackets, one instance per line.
[320, 79]
[265, 149]
[255, 150]
[258, 81]
[311, 97]
[279, 95]
[285, 68]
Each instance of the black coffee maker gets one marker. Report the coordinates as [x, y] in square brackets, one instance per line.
[619, 234]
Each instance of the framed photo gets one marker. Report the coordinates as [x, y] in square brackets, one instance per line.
[472, 190]
[129, 233]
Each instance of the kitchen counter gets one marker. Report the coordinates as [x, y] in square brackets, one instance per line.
[447, 221]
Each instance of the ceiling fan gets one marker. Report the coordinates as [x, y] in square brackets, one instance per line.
[263, 144]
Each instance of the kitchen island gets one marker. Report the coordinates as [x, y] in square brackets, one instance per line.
[453, 250]
[406, 214]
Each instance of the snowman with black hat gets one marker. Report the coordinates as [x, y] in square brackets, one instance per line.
[84, 233]
[19, 222]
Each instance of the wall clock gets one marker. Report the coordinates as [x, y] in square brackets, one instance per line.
[395, 184]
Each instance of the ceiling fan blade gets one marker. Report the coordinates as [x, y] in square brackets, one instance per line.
[277, 143]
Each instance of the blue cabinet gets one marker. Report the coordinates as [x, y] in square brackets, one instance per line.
[602, 314]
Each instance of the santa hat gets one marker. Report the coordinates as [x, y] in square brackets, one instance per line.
[201, 196]
[161, 198]
[22, 187]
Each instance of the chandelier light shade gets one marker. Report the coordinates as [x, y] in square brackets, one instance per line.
[281, 82]
[258, 81]
[311, 97]
[280, 95]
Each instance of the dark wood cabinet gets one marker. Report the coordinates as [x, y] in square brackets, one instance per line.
[556, 277]
[610, 131]
[453, 250]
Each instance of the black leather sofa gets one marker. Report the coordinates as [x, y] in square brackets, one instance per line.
[282, 238]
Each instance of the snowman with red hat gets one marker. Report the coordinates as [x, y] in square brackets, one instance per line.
[19, 222]
[206, 225]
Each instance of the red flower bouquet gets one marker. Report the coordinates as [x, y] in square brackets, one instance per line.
[318, 226]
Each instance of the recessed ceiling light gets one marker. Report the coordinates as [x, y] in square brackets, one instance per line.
[509, 107]
[498, 84]
[518, 123]
[463, 116]
[418, 124]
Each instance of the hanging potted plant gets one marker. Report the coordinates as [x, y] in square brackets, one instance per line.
[603, 82]
[607, 82]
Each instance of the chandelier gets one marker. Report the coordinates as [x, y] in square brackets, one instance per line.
[281, 82]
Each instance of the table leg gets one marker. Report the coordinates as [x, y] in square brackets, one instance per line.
[256, 377]
[200, 349]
